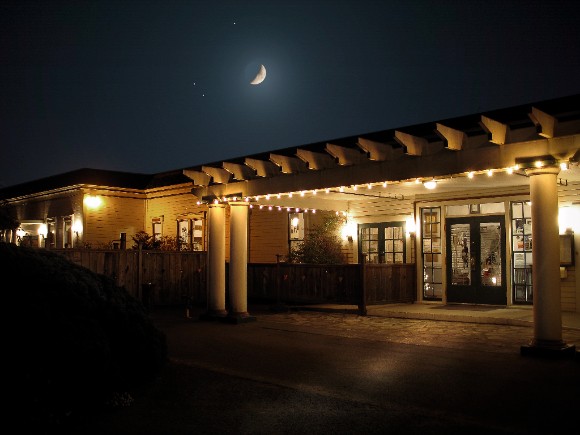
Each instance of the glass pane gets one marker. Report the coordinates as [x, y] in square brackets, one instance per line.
[374, 232]
[399, 258]
[364, 234]
[398, 246]
[398, 233]
[374, 246]
[436, 244]
[389, 233]
[388, 245]
[490, 254]
[516, 210]
[460, 254]
[389, 258]
[373, 258]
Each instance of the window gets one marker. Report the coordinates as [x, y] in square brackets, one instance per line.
[183, 235]
[431, 251]
[190, 234]
[67, 236]
[521, 229]
[383, 242]
[157, 228]
[295, 229]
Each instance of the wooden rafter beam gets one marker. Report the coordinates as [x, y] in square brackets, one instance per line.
[379, 151]
[240, 172]
[455, 139]
[263, 168]
[218, 175]
[316, 160]
[199, 178]
[346, 156]
[289, 164]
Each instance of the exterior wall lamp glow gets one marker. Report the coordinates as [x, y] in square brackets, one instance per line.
[93, 201]
[431, 184]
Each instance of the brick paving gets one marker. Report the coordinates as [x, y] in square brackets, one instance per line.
[438, 333]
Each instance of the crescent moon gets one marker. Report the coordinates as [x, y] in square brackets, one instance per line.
[260, 76]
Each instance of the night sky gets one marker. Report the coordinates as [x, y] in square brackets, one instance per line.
[152, 86]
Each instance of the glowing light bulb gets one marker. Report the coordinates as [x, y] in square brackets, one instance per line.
[470, 174]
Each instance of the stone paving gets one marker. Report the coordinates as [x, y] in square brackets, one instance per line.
[446, 334]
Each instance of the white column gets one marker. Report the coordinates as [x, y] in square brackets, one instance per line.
[238, 282]
[547, 307]
[216, 259]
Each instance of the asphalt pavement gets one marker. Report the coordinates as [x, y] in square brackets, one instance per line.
[323, 369]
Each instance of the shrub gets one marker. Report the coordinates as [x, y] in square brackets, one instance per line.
[321, 245]
[75, 337]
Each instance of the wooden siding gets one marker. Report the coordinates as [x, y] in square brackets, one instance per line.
[116, 215]
[268, 235]
[172, 204]
[381, 209]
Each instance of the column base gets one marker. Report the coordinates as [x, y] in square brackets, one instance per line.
[549, 349]
[211, 315]
[237, 318]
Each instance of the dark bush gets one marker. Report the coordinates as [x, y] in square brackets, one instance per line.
[74, 337]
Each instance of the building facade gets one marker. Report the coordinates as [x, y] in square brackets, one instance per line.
[485, 205]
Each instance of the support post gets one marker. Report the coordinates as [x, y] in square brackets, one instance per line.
[547, 309]
[216, 270]
[238, 273]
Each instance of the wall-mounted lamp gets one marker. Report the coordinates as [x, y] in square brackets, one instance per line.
[410, 226]
[431, 184]
[348, 230]
[93, 201]
[43, 230]
[569, 219]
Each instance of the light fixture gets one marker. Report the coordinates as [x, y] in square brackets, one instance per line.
[564, 166]
[410, 225]
[538, 163]
[43, 230]
[510, 170]
[430, 184]
[470, 174]
[93, 201]
[489, 172]
[384, 184]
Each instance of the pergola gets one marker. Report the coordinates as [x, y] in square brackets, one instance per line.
[533, 146]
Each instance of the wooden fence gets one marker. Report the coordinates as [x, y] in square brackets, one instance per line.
[156, 277]
[163, 278]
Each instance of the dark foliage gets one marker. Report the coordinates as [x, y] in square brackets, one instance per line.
[321, 245]
[73, 337]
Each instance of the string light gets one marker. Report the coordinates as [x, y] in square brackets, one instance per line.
[418, 180]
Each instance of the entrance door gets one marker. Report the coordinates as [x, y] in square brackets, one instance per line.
[476, 260]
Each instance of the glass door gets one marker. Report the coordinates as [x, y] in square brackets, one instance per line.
[476, 260]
